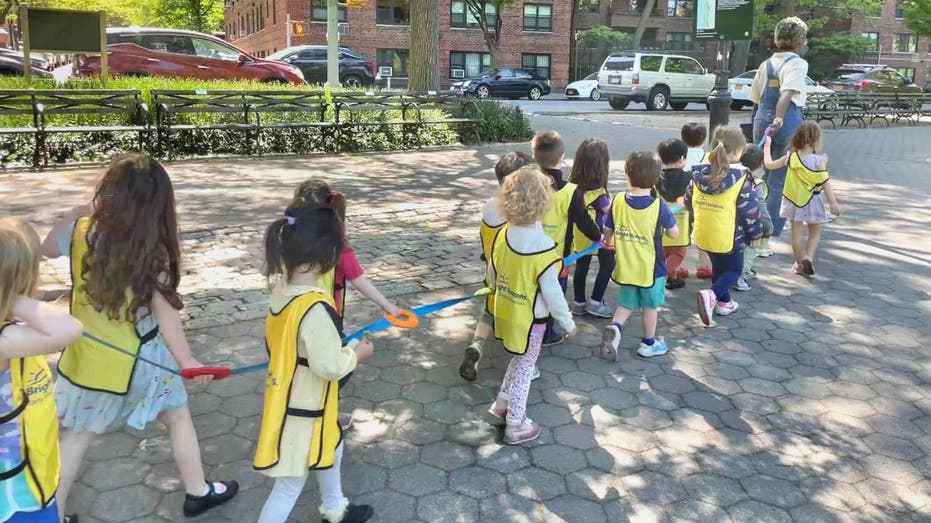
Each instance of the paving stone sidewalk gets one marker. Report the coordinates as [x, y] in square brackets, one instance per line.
[813, 403]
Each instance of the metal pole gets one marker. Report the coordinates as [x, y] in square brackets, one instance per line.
[720, 98]
[24, 30]
[332, 39]
[287, 19]
[576, 55]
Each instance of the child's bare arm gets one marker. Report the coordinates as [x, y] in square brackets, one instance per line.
[608, 238]
[768, 161]
[169, 326]
[51, 247]
[46, 328]
[831, 197]
[368, 289]
[673, 233]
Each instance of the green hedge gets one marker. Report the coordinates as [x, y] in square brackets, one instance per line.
[501, 124]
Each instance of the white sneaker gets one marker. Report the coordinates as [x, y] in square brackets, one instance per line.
[706, 306]
[726, 309]
[610, 340]
[742, 284]
[536, 373]
[658, 348]
[764, 252]
[577, 309]
[749, 275]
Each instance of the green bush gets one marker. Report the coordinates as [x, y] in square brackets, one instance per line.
[501, 124]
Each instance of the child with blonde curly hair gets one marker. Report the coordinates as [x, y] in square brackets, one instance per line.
[524, 271]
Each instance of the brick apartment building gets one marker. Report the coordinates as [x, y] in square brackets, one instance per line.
[535, 34]
[896, 45]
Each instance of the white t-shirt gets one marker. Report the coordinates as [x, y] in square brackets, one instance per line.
[791, 78]
[490, 214]
[694, 157]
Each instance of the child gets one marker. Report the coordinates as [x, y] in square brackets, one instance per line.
[524, 268]
[752, 159]
[125, 265]
[635, 227]
[727, 217]
[299, 429]
[806, 177]
[671, 188]
[694, 135]
[590, 175]
[567, 210]
[492, 222]
[29, 428]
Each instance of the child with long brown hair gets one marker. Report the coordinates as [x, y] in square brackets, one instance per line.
[125, 269]
[727, 219]
[806, 178]
[590, 173]
[29, 431]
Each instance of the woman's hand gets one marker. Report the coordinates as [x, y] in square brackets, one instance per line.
[192, 363]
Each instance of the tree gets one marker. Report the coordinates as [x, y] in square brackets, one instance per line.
[918, 16]
[425, 45]
[205, 16]
[604, 37]
[647, 9]
[491, 32]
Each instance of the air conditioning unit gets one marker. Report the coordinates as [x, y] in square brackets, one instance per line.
[343, 30]
[458, 73]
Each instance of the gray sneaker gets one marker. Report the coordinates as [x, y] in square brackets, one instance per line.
[577, 309]
[601, 310]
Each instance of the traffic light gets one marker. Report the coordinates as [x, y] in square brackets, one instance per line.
[297, 28]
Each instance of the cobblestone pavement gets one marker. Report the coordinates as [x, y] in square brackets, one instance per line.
[813, 403]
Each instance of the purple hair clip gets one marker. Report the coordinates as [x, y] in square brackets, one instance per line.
[289, 219]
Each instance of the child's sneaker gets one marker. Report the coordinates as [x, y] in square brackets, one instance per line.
[536, 373]
[497, 413]
[726, 309]
[706, 306]
[345, 420]
[526, 431]
[610, 340]
[577, 308]
[749, 275]
[353, 514]
[742, 284]
[764, 252]
[553, 339]
[674, 284]
[808, 268]
[600, 310]
[658, 348]
[703, 273]
[682, 274]
[468, 369]
[797, 269]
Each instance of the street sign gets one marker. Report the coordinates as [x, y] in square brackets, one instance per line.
[64, 31]
[723, 19]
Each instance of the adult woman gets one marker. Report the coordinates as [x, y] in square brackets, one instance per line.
[779, 94]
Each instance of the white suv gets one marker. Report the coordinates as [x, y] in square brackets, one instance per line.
[660, 80]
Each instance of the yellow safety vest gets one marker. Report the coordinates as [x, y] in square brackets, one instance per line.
[282, 331]
[801, 181]
[86, 363]
[556, 219]
[516, 289]
[34, 397]
[487, 234]
[716, 218]
[327, 282]
[634, 242]
[579, 241]
[683, 219]
[758, 182]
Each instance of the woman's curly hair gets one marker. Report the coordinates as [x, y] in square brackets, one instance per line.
[525, 196]
[790, 33]
[133, 241]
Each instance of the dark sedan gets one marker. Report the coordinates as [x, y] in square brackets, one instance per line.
[10, 66]
[505, 83]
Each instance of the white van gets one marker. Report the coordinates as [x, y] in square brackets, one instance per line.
[659, 80]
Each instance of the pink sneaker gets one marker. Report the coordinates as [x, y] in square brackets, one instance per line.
[497, 413]
[706, 306]
[726, 308]
[526, 431]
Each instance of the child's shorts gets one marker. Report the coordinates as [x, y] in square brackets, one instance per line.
[631, 297]
[47, 515]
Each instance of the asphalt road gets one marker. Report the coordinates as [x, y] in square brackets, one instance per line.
[558, 104]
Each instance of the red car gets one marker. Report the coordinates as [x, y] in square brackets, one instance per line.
[137, 51]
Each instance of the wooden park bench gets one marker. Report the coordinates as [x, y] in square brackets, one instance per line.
[453, 110]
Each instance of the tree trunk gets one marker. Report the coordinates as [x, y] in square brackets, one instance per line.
[425, 45]
[740, 54]
[642, 24]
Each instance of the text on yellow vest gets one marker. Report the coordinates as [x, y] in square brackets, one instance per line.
[634, 242]
[801, 182]
[579, 241]
[716, 218]
[556, 220]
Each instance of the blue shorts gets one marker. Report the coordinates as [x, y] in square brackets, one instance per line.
[633, 298]
[47, 515]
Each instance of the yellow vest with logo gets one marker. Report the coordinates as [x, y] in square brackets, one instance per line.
[327, 281]
[579, 241]
[801, 181]
[282, 331]
[517, 291]
[683, 221]
[716, 218]
[758, 182]
[86, 363]
[487, 234]
[34, 400]
[634, 242]
[556, 219]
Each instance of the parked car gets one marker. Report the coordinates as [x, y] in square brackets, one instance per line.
[506, 83]
[928, 87]
[10, 66]
[740, 89]
[354, 70]
[35, 58]
[584, 88]
[135, 51]
[660, 80]
[869, 78]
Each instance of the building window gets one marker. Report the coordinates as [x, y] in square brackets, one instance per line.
[680, 8]
[397, 59]
[393, 12]
[261, 17]
[905, 43]
[907, 72]
[678, 41]
[538, 17]
[472, 64]
[274, 13]
[318, 11]
[589, 6]
[898, 10]
[461, 16]
[537, 63]
[875, 38]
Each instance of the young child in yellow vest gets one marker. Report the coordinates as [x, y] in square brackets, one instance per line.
[317, 192]
[752, 159]
[566, 214]
[590, 174]
[300, 429]
[727, 218]
[671, 188]
[806, 178]
[492, 222]
[525, 266]
[125, 265]
[635, 227]
[28, 425]
[694, 135]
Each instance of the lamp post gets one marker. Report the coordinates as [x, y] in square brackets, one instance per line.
[719, 101]
[578, 35]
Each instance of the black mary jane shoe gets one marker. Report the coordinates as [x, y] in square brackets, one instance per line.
[355, 514]
[197, 505]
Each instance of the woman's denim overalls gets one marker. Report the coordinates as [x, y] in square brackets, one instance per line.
[765, 113]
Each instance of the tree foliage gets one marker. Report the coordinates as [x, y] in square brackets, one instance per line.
[918, 16]
[816, 13]
[490, 32]
[604, 37]
[850, 47]
[197, 15]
